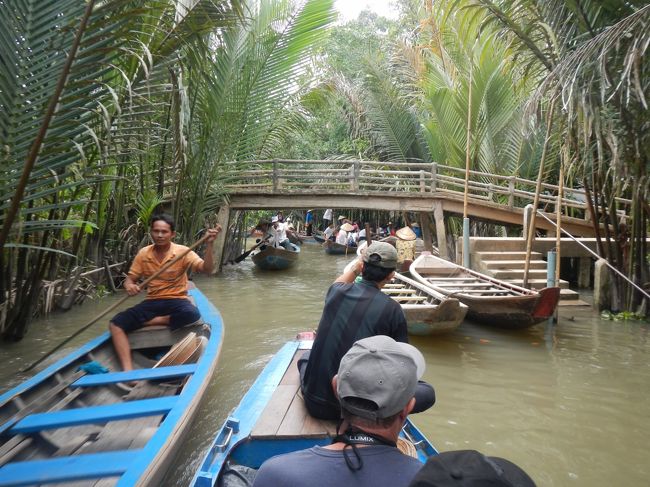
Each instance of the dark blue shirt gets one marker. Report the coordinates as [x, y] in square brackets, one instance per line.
[351, 312]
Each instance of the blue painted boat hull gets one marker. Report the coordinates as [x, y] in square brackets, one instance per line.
[234, 443]
[102, 428]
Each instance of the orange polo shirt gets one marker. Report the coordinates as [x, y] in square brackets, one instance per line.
[172, 283]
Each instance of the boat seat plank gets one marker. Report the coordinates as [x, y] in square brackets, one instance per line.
[135, 375]
[95, 414]
[398, 291]
[292, 376]
[62, 469]
[409, 298]
[275, 410]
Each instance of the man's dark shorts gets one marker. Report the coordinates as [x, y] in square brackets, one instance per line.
[181, 312]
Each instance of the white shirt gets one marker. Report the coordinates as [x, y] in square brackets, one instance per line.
[362, 232]
[328, 232]
[328, 214]
[282, 231]
[342, 237]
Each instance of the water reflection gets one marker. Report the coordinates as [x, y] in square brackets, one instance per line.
[569, 402]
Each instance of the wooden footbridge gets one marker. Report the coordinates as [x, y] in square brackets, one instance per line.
[418, 187]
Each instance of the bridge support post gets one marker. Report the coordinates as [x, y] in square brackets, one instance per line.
[223, 217]
[425, 225]
[584, 272]
[441, 235]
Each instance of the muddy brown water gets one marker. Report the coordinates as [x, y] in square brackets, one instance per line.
[569, 402]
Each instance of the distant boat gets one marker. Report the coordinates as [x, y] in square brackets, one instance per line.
[276, 258]
[334, 248]
[319, 237]
[272, 419]
[490, 301]
[66, 425]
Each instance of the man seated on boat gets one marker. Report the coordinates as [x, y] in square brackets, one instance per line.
[375, 386]
[329, 232]
[166, 303]
[354, 311]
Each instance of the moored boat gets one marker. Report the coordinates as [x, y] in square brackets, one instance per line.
[271, 419]
[427, 312]
[490, 301]
[73, 423]
[276, 258]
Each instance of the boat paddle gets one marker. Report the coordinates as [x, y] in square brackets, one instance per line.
[117, 303]
[248, 252]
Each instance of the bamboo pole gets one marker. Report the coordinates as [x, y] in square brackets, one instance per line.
[466, 260]
[531, 225]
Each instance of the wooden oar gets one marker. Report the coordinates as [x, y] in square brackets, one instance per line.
[248, 252]
[118, 302]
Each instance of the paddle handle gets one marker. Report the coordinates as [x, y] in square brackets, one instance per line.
[166, 266]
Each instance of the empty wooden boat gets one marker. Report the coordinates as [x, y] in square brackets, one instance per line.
[490, 301]
[275, 258]
[73, 423]
[272, 419]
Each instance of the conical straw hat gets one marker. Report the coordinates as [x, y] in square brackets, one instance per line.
[405, 234]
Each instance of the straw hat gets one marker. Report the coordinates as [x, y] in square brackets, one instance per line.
[347, 227]
[405, 233]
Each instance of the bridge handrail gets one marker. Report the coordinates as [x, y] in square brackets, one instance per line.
[357, 176]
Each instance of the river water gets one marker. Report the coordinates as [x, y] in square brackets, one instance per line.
[570, 403]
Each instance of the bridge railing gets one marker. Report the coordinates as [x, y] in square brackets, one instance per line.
[358, 177]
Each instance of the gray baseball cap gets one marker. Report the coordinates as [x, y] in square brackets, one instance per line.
[382, 373]
[381, 254]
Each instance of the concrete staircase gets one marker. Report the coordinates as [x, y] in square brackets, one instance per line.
[508, 263]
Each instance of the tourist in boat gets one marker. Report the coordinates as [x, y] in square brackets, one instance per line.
[166, 302]
[342, 236]
[417, 230]
[364, 453]
[469, 467]
[354, 311]
[279, 231]
[405, 245]
[329, 232]
[327, 219]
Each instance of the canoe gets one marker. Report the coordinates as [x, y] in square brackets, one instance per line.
[427, 312]
[271, 419]
[334, 248]
[276, 258]
[490, 300]
[319, 237]
[65, 425]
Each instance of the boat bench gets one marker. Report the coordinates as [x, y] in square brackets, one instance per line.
[94, 414]
[170, 372]
[67, 469]
[285, 415]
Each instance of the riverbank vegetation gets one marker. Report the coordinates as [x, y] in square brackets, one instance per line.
[112, 108]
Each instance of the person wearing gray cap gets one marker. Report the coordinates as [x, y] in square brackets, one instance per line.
[375, 385]
[354, 311]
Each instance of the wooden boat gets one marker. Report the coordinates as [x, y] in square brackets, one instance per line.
[319, 237]
[334, 248]
[271, 419]
[275, 258]
[490, 301]
[427, 312]
[68, 426]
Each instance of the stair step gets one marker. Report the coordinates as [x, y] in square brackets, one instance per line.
[506, 255]
[513, 264]
[569, 295]
[506, 274]
[538, 283]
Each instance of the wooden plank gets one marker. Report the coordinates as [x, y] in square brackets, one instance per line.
[409, 298]
[135, 375]
[292, 376]
[95, 414]
[64, 469]
[293, 422]
[274, 412]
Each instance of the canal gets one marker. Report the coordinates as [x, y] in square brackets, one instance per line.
[570, 403]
